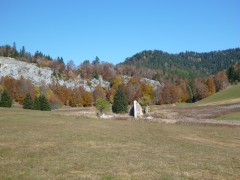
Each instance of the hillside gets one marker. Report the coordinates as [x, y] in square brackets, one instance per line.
[229, 95]
[187, 64]
[17, 69]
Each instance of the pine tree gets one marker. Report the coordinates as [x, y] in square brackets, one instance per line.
[238, 75]
[44, 104]
[231, 74]
[6, 100]
[28, 102]
[120, 101]
[36, 104]
[22, 52]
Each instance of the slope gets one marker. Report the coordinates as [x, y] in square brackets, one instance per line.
[227, 96]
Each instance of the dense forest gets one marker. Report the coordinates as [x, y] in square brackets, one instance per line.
[186, 64]
[186, 77]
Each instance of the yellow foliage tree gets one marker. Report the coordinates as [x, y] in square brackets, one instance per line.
[116, 82]
[211, 86]
[147, 91]
[87, 99]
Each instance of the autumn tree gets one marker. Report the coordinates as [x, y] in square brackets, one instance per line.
[87, 99]
[220, 81]
[211, 86]
[147, 91]
[117, 81]
[110, 94]
[145, 101]
[108, 72]
[169, 94]
[76, 97]
[201, 90]
[55, 102]
[10, 84]
[133, 89]
[99, 93]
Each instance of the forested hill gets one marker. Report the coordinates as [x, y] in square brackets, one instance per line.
[185, 64]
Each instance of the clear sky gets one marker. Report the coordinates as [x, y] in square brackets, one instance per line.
[115, 29]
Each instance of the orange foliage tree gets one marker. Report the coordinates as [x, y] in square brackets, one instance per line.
[169, 94]
[99, 93]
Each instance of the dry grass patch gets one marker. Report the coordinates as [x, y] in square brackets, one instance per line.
[46, 145]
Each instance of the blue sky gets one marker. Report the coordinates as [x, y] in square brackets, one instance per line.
[113, 30]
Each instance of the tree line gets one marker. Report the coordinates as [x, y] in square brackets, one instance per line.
[186, 65]
[176, 88]
[134, 89]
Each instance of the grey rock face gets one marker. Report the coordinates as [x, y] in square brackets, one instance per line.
[16, 69]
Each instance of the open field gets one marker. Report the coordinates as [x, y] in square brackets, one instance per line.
[47, 145]
[230, 116]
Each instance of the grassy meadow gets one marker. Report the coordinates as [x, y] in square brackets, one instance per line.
[230, 116]
[46, 145]
[229, 95]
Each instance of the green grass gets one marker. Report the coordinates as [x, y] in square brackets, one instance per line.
[231, 116]
[230, 94]
[45, 145]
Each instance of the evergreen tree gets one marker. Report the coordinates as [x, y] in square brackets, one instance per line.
[44, 104]
[231, 74]
[120, 101]
[238, 75]
[96, 61]
[6, 100]
[22, 52]
[28, 102]
[36, 104]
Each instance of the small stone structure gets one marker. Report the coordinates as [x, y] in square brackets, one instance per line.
[136, 110]
[147, 109]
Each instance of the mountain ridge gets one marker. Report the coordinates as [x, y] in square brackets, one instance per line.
[185, 64]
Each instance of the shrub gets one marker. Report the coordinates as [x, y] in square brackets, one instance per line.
[101, 104]
[55, 102]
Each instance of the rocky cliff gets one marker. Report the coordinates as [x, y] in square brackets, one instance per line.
[16, 69]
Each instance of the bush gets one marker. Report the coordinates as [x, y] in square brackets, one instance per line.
[6, 100]
[145, 101]
[101, 104]
[55, 102]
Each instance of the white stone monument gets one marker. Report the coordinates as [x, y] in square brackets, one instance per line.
[136, 110]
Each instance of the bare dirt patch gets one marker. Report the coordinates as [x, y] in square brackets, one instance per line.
[196, 114]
